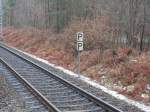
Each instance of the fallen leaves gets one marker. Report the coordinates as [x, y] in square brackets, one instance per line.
[123, 69]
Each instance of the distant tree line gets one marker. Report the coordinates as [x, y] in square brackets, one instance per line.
[127, 17]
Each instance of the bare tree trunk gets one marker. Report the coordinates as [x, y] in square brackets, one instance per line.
[132, 22]
[143, 27]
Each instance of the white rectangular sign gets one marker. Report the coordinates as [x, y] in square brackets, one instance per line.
[80, 38]
[80, 46]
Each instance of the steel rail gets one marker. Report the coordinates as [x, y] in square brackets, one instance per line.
[84, 93]
[30, 88]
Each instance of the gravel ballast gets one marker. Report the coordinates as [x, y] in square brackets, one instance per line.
[98, 92]
[10, 100]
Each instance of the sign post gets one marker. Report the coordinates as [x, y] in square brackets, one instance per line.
[80, 47]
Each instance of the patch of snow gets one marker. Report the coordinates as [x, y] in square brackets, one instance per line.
[115, 94]
[134, 60]
[146, 96]
[148, 86]
[103, 77]
[130, 88]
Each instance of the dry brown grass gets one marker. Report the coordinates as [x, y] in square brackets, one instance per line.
[122, 65]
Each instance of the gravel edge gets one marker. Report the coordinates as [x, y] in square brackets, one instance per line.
[97, 92]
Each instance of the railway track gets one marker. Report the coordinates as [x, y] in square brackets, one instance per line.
[46, 91]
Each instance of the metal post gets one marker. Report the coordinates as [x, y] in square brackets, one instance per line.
[80, 36]
[78, 64]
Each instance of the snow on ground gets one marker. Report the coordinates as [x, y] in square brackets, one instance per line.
[89, 81]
